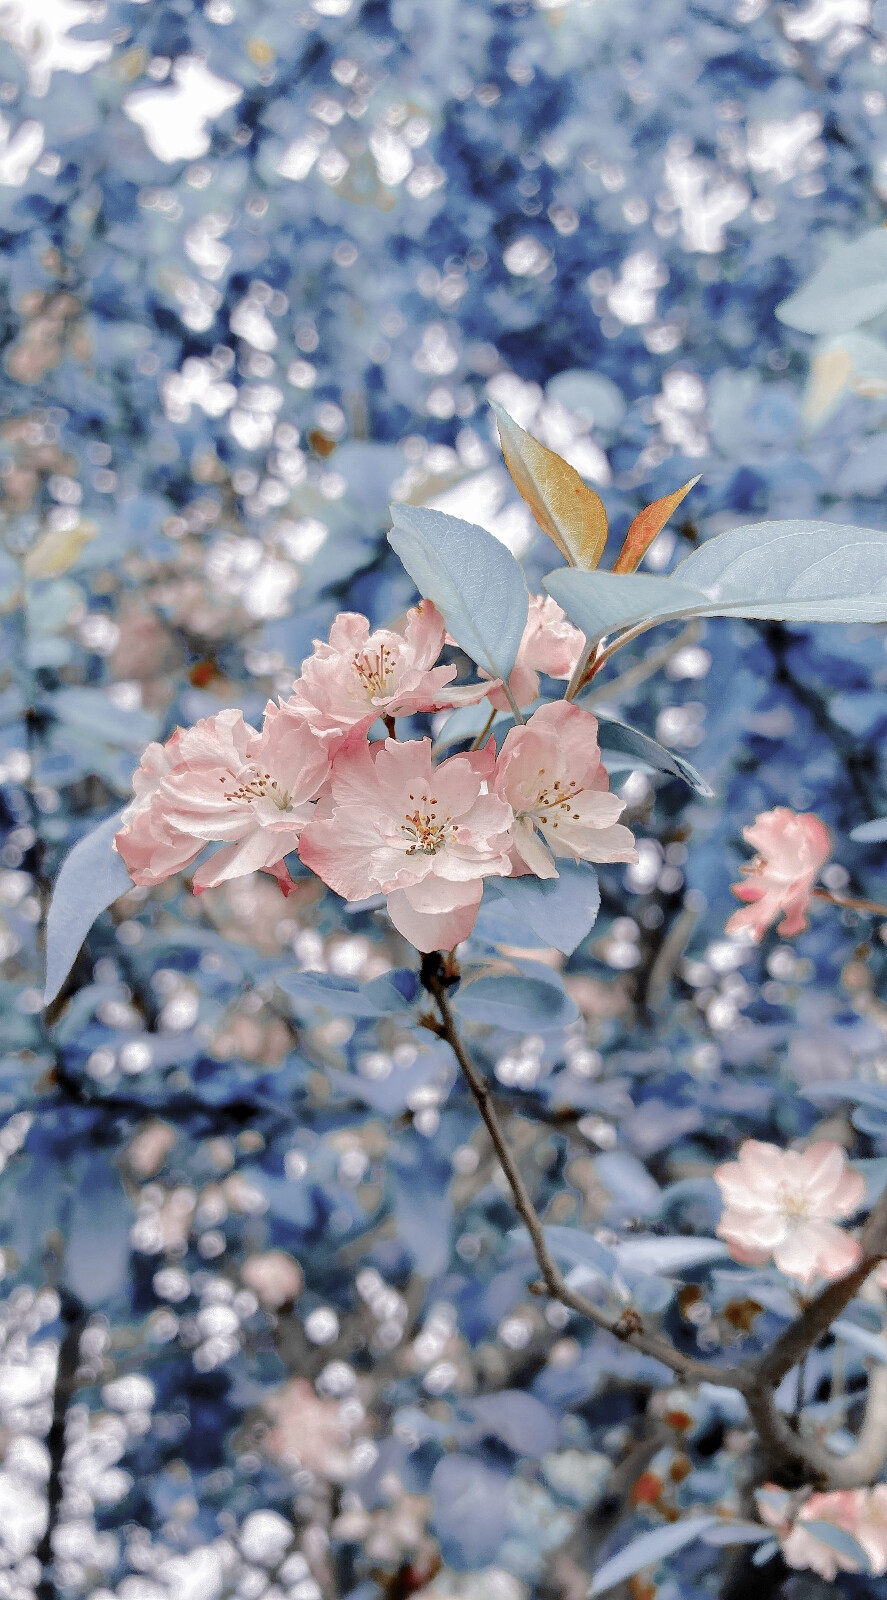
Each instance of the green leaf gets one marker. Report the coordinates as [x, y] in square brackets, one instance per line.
[474, 581]
[91, 878]
[848, 289]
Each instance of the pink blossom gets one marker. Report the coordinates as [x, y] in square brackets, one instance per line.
[550, 773]
[550, 644]
[224, 782]
[783, 1203]
[359, 676]
[792, 847]
[424, 837]
[274, 1277]
[860, 1512]
[308, 1432]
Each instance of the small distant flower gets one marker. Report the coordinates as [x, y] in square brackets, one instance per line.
[550, 773]
[792, 849]
[274, 1276]
[784, 1203]
[224, 782]
[862, 1513]
[359, 676]
[425, 837]
[550, 644]
[308, 1432]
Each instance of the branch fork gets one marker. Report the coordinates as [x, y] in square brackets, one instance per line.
[792, 1453]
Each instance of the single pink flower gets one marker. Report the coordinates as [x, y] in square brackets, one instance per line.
[425, 837]
[359, 676]
[226, 783]
[792, 848]
[783, 1204]
[846, 1509]
[550, 773]
[550, 644]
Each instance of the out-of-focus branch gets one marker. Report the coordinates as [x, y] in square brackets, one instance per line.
[75, 1320]
[627, 1326]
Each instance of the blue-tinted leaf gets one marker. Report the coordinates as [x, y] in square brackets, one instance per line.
[794, 570]
[91, 878]
[575, 1248]
[422, 1206]
[90, 712]
[737, 1533]
[849, 288]
[474, 581]
[873, 1344]
[393, 1094]
[764, 1553]
[856, 1092]
[560, 910]
[345, 996]
[838, 1539]
[668, 1255]
[97, 1246]
[648, 1551]
[470, 1511]
[518, 1419]
[605, 602]
[874, 832]
[614, 735]
[531, 1002]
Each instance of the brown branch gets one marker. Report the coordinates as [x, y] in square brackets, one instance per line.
[848, 903]
[625, 1326]
[757, 1380]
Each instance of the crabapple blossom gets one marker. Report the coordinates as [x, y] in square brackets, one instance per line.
[550, 773]
[784, 1203]
[274, 1276]
[862, 1513]
[424, 837]
[223, 781]
[550, 644]
[359, 676]
[792, 847]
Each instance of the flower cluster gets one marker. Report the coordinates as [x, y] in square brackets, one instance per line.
[860, 1513]
[382, 817]
[783, 1204]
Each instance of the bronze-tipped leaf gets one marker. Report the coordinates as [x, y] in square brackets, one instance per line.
[565, 508]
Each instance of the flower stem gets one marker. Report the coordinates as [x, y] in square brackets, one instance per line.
[849, 903]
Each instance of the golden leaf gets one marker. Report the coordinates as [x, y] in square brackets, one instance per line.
[57, 551]
[645, 527]
[565, 508]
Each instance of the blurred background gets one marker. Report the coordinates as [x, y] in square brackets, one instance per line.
[264, 1329]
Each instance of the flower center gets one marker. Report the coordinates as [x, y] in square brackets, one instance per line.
[426, 831]
[794, 1205]
[375, 668]
[552, 802]
[261, 786]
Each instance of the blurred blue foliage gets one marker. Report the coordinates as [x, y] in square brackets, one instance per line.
[263, 266]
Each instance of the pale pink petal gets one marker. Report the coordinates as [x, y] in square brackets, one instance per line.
[816, 1249]
[430, 930]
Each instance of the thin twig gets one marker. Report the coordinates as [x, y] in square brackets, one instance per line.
[625, 1326]
[644, 669]
[75, 1319]
[756, 1380]
[481, 738]
[848, 903]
